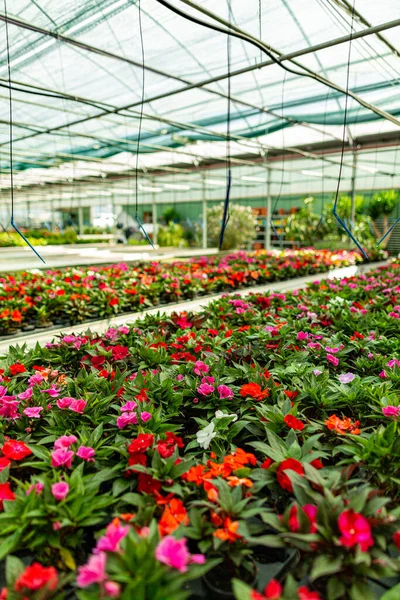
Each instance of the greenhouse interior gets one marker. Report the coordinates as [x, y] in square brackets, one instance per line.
[200, 300]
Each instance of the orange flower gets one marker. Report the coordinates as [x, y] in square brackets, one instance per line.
[254, 390]
[239, 459]
[342, 426]
[228, 532]
[195, 474]
[174, 514]
[235, 481]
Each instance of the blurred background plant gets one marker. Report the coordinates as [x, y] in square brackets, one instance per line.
[241, 228]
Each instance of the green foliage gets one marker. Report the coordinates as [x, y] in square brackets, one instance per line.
[170, 214]
[171, 235]
[383, 203]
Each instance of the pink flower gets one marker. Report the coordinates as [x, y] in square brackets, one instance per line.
[78, 406]
[65, 441]
[35, 379]
[200, 367]
[302, 335]
[393, 362]
[112, 589]
[346, 377]
[26, 395]
[123, 329]
[225, 392]
[127, 418]
[332, 350]
[60, 490]
[317, 372]
[207, 379]
[355, 529]
[33, 412]
[205, 389]
[114, 534]
[332, 359]
[64, 403]
[94, 571]
[383, 374]
[175, 554]
[128, 406]
[35, 487]
[9, 407]
[86, 453]
[179, 377]
[145, 416]
[391, 411]
[62, 458]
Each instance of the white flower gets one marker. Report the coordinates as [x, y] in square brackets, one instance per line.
[220, 415]
[204, 436]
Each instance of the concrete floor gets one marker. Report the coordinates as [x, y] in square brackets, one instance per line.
[22, 258]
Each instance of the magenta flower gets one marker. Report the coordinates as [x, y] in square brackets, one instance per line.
[127, 418]
[65, 441]
[86, 453]
[390, 364]
[302, 335]
[175, 554]
[112, 589]
[60, 490]
[145, 416]
[62, 458]
[383, 374]
[200, 367]
[33, 412]
[225, 392]
[78, 406]
[391, 411]
[53, 391]
[332, 359]
[346, 377]
[205, 389]
[94, 571]
[355, 529]
[179, 377]
[35, 379]
[64, 403]
[332, 350]
[115, 532]
[9, 407]
[128, 406]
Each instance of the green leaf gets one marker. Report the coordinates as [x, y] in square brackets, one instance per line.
[392, 594]
[8, 544]
[14, 568]
[325, 565]
[241, 590]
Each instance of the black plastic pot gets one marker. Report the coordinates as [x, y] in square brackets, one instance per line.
[217, 592]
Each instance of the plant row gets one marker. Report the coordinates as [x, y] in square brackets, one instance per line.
[31, 299]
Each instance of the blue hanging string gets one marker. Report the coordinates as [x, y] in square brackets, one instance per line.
[388, 231]
[12, 221]
[334, 210]
[226, 215]
[142, 229]
[277, 235]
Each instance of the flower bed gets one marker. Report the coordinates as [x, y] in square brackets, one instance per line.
[75, 295]
[253, 445]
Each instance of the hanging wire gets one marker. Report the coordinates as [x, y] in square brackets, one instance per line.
[334, 210]
[398, 219]
[137, 219]
[226, 214]
[12, 220]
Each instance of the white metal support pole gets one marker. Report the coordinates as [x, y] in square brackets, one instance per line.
[204, 207]
[28, 213]
[154, 217]
[80, 219]
[353, 191]
[267, 231]
[52, 214]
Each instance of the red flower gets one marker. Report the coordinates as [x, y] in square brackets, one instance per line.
[396, 539]
[6, 493]
[142, 443]
[142, 395]
[113, 302]
[98, 361]
[317, 463]
[119, 352]
[148, 485]
[17, 368]
[293, 423]
[290, 464]
[306, 594]
[137, 458]
[254, 390]
[15, 450]
[267, 463]
[291, 395]
[293, 522]
[273, 590]
[355, 529]
[4, 463]
[36, 577]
